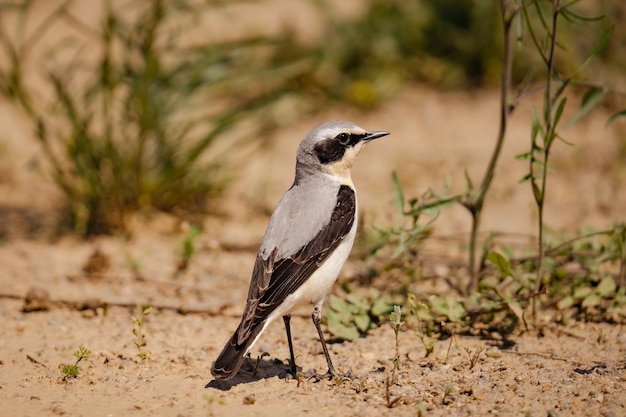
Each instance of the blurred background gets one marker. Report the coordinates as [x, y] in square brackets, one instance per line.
[116, 108]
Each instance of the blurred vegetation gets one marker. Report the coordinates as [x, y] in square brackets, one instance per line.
[449, 44]
[135, 110]
[134, 115]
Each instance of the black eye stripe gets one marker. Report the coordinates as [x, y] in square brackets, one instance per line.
[331, 150]
[328, 151]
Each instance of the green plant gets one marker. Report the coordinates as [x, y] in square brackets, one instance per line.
[450, 330]
[390, 401]
[368, 58]
[512, 13]
[501, 300]
[351, 315]
[578, 279]
[140, 337]
[396, 322]
[135, 122]
[72, 370]
[188, 247]
[257, 362]
[587, 287]
[473, 355]
[421, 409]
[420, 312]
[135, 266]
[473, 200]
[544, 129]
[403, 240]
[448, 389]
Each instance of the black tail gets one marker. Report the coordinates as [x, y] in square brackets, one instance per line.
[228, 363]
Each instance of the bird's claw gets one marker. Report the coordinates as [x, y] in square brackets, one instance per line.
[329, 375]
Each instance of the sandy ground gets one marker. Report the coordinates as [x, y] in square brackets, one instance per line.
[573, 370]
[579, 369]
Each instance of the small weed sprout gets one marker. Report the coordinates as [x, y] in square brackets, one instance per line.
[140, 337]
[446, 394]
[71, 370]
[416, 309]
[421, 409]
[473, 355]
[396, 323]
[452, 340]
[135, 266]
[259, 358]
[188, 247]
[390, 402]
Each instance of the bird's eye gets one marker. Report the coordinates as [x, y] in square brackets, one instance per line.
[343, 138]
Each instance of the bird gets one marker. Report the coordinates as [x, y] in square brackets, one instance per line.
[307, 241]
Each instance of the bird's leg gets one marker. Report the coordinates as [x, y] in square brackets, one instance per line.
[317, 319]
[292, 358]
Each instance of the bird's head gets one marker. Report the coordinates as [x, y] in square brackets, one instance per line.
[332, 147]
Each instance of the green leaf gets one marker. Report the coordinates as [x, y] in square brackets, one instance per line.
[590, 100]
[399, 250]
[537, 192]
[596, 50]
[616, 116]
[566, 302]
[420, 310]
[358, 303]
[516, 309]
[340, 309]
[362, 322]
[557, 117]
[342, 331]
[607, 287]
[448, 307]
[582, 292]
[382, 305]
[525, 178]
[591, 300]
[468, 182]
[531, 30]
[566, 11]
[559, 137]
[436, 206]
[447, 182]
[500, 262]
[398, 194]
[536, 127]
[70, 371]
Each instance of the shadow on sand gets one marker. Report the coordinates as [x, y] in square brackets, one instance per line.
[267, 368]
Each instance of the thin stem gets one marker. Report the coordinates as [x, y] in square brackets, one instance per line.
[549, 138]
[621, 242]
[506, 108]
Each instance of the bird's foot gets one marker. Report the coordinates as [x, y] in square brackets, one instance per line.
[329, 375]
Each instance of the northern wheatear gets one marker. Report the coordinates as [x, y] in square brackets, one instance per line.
[307, 241]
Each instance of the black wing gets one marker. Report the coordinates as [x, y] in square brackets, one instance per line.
[274, 279]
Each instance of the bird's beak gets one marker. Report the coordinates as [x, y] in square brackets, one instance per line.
[374, 135]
